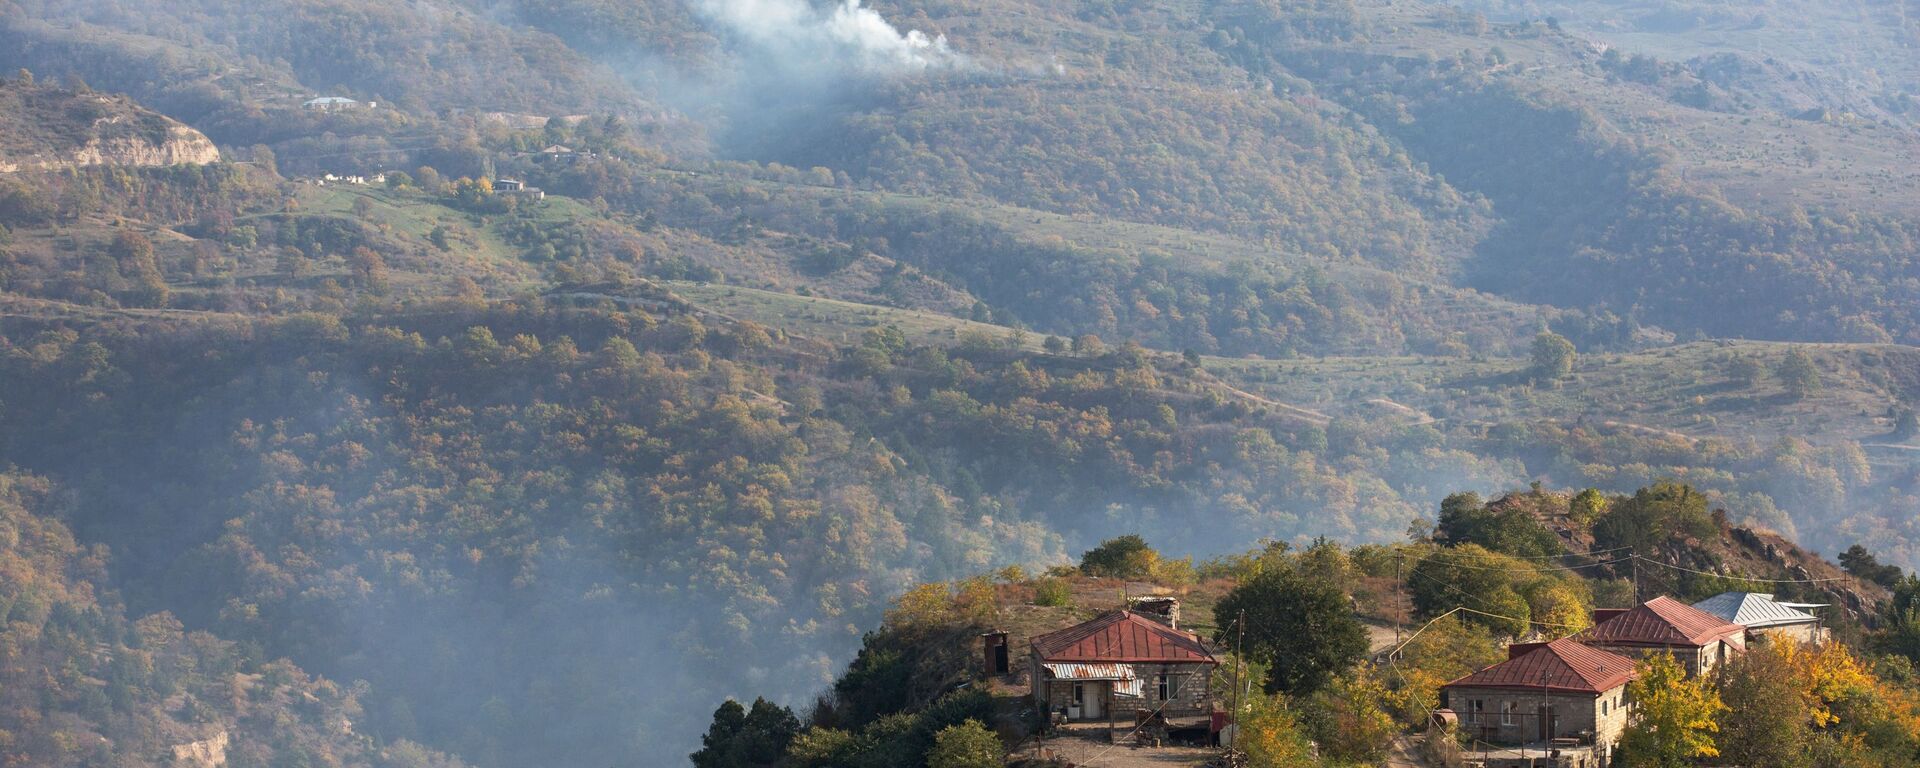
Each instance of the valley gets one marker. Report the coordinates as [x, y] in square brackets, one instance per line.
[505, 382]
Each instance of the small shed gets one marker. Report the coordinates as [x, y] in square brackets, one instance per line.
[995, 656]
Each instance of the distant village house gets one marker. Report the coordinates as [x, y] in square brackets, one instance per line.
[1122, 664]
[518, 188]
[336, 104]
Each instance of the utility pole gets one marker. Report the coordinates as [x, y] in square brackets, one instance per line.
[1239, 662]
[1399, 589]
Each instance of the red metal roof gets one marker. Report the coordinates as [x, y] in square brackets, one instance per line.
[1122, 636]
[1562, 665]
[1661, 621]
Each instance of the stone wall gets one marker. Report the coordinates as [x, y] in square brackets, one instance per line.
[1190, 684]
[1574, 715]
[1190, 689]
[1797, 633]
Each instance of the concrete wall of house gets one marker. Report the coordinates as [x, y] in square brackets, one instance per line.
[1575, 715]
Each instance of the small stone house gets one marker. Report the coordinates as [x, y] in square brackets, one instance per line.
[1119, 664]
[1764, 618]
[1544, 692]
[1697, 639]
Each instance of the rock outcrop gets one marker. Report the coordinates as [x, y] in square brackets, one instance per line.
[46, 129]
[206, 753]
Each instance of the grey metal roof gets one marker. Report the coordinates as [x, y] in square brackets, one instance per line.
[1754, 609]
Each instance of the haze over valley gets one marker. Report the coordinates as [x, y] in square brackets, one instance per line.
[511, 382]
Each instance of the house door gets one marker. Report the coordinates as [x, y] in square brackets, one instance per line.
[1091, 698]
[1000, 660]
[1546, 722]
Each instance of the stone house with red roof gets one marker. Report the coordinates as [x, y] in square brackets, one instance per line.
[1119, 663]
[1699, 640]
[1560, 693]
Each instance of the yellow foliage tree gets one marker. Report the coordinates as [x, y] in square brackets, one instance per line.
[1561, 608]
[923, 605]
[1830, 675]
[1445, 650]
[1673, 718]
[1271, 736]
[1349, 719]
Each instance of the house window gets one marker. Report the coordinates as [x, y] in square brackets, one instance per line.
[1473, 713]
[1506, 713]
[1165, 686]
[1603, 706]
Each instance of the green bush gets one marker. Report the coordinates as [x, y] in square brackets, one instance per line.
[1052, 592]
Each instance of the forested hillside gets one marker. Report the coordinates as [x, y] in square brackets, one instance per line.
[82, 683]
[580, 364]
[520, 520]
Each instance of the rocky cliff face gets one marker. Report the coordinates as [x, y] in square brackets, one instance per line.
[182, 145]
[49, 130]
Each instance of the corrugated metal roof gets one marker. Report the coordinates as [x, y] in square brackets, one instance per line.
[1122, 636]
[1754, 609]
[1661, 621]
[1562, 665]
[1072, 671]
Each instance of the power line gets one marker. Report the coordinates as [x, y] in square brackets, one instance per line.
[1739, 578]
[1542, 569]
[1549, 569]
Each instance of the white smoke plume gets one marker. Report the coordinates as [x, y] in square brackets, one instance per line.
[843, 36]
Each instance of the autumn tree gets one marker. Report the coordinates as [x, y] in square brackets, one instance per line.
[1906, 424]
[1272, 736]
[1446, 650]
[1121, 557]
[369, 269]
[967, 745]
[1768, 720]
[1470, 576]
[1587, 507]
[1088, 345]
[132, 252]
[1745, 370]
[1552, 356]
[1798, 373]
[1303, 629]
[1674, 717]
[1349, 719]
